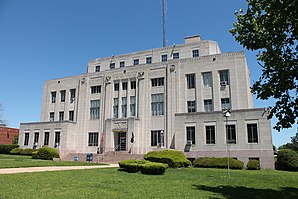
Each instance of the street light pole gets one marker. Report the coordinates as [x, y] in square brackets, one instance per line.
[227, 114]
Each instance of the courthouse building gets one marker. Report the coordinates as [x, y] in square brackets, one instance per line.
[188, 97]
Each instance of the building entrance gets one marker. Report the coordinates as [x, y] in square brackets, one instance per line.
[121, 141]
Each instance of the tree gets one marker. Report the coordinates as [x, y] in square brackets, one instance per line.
[270, 27]
[293, 145]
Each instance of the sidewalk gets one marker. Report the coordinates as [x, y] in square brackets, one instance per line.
[42, 169]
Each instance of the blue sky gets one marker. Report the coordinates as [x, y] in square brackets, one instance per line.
[48, 39]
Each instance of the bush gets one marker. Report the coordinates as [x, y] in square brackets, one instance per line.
[131, 166]
[253, 165]
[27, 151]
[174, 159]
[208, 162]
[146, 167]
[6, 148]
[16, 151]
[287, 160]
[46, 153]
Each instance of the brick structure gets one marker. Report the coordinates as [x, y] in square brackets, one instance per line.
[8, 134]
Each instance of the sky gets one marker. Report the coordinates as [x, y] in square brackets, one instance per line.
[47, 39]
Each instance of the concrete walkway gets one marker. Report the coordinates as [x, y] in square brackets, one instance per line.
[42, 169]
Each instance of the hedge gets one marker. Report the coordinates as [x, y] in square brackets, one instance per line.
[172, 158]
[132, 166]
[28, 151]
[143, 166]
[253, 165]
[46, 153]
[208, 162]
[16, 151]
[6, 148]
[287, 160]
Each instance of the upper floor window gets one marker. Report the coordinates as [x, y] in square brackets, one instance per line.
[195, 53]
[148, 60]
[225, 104]
[210, 134]
[124, 85]
[133, 85]
[112, 65]
[136, 62]
[97, 68]
[124, 107]
[157, 81]
[122, 64]
[252, 133]
[191, 134]
[62, 95]
[52, 116]
[72, 95]
[157, 104]
[224, 77]
[61, 115]
[95, 89]
[71, 115]
[132, 105]
[207, 79]
[116, 86]
[53, 97]
[115, 107]
[176, 55]
[191, 80]
[191, 106]
[94, 109]
[164, 58]
[208, 106]
[231, 134]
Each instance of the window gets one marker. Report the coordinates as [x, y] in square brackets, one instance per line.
[132, 105]
[148, 60]
[124, 85]
[176, 55]
[71, 115]
[122, 64]
[57, 139]
[164, 58]
[112, 65]
[231, 134]
[225, 104]
[94, 109]
[116, 86]
[72, 95]
[136, 62]
[252, 133]
[61, 116]
[133, 85]
[157, 104]
[62, 96]
[46, 138]
[157, 138]
[53, 97]
[210, 134]
[208, 106]
[52, 116]
[124, 107]
[191, 80]
[190, 134]
[224, 77]
[95, 89]
[36, 137]
[26, 140]
[115, 107]
[191, 106]
[207, 79]
[195, 53]
[97, 68]
[93, 139]
[157, 82]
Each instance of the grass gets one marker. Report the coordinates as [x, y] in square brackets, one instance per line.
[17, 161]
[176, 183]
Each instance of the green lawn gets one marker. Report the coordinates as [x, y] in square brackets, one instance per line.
[176, 183]
[16, 161]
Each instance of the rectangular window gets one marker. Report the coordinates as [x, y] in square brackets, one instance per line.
[157, 138]
[72, 95]
[210, 134]
[157, 81]
[112, 65]
[93, 139]
[26, 140]
[95, 89]
[136, 62]
[148, 60]
[164, 58]
[124, 85]
[224, 77]
[190, 134]
[62, 95]
[71, 116]
[52, 116]
[225, 104]
[53, 97]
[94, 109]
[132, 106]
[252, 133]
[157, 104]
[176, 55]
[195, 53]
[57, 139]
[191, 80]
[124, 107]
[207, 79]
[231, 134]
[97, 68]
[36, 137]
[122, 64]
[116, 86]
[191, 106]
[61, 115]
[208, 106]
[46, 138]
[133, 85]
[115, 107]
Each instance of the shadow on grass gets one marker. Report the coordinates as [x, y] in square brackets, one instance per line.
[236, 192]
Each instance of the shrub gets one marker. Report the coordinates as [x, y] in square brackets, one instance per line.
[46, 153]
[146, 167]
[6, 148]
[16, 151]
[287, 160]
[27, 151]
[208, 162]
[175, 159]
[131, 166]
[253, 165]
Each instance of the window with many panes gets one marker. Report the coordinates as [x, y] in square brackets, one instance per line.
[224, 77]
[157, 104]
[124, 107]
[225, 104]
[116, 86]
[157, 81]
[133, 85]
[26, 140]
[176, 55]
[191, 80]
[112, 65]
[124, 85]
[62, 95]
[157, 138]
[52, 116]
[122, 64]
[136, 62]
[53, 97]
[97, 68]
[195, 53]
[191, 106]
[207, 79]
[57, 139]
[132, 106]
[36, 137]
[95, 89]
[94, 109]
[190, 134]
[46, 138]
[164, 58]
[210, 134]
[72, 95]
[208, 106]
[71, 115]
[148, 60]
[115, 107]
[61, 115]
[231, 134]
[93, 139]
[252, 133]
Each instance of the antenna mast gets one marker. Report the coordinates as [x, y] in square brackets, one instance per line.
[164, 5]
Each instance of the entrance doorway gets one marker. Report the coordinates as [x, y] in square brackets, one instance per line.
[121, 142]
